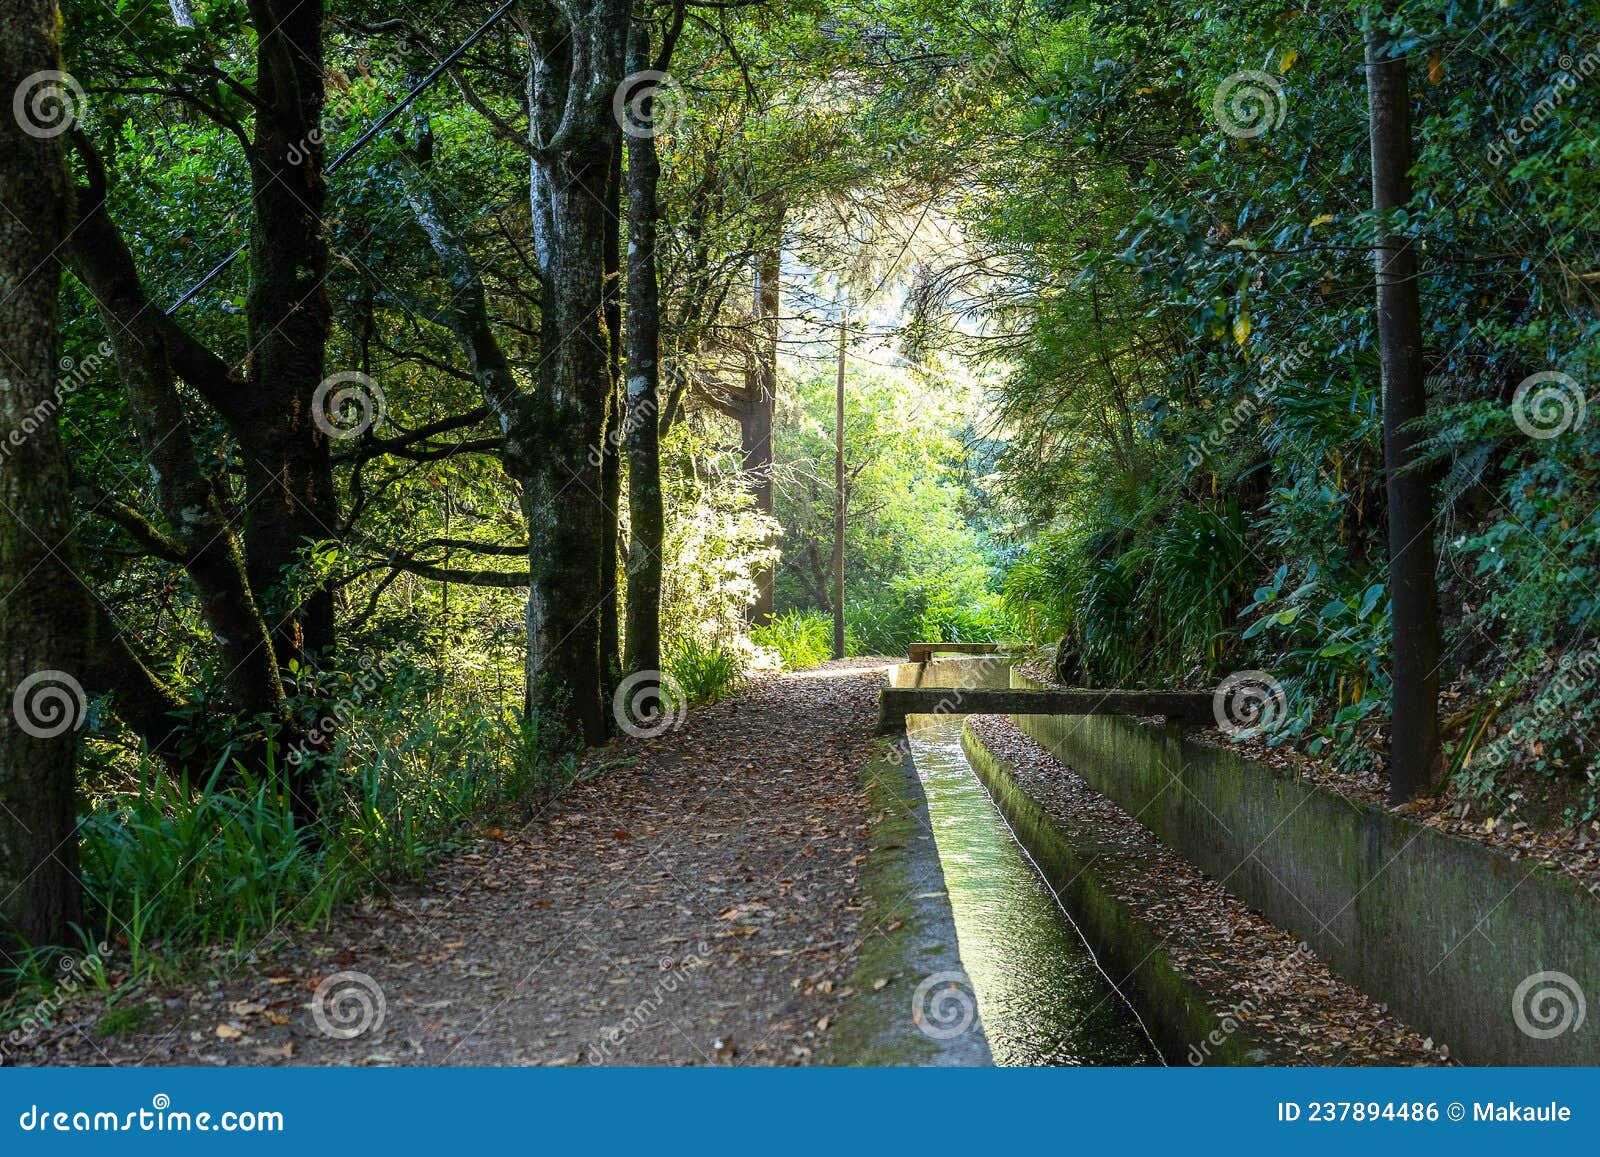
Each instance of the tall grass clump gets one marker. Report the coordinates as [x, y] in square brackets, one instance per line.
[408, 770]
[706, 672]
[801, 638]
[164, 863]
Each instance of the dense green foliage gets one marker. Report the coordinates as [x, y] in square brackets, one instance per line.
[1194, 402]
[172, 863]
[801, 638]
[704, 672]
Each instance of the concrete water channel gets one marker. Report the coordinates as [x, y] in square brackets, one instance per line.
[1042, 997]
[1209, 889]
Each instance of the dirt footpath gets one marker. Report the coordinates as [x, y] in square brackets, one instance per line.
[698, 903]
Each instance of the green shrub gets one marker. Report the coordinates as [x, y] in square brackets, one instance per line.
[1332, 634]
[705, 672]
[1038, 591]
[1147, 598]
[801, 638]
[926, 608]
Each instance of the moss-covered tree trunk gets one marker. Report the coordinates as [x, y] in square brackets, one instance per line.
[645, 513]
[270, 405]
[197, 533]
[611, 456]
[576, 63]
[44, 608]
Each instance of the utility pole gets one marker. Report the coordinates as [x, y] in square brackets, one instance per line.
[838, 497]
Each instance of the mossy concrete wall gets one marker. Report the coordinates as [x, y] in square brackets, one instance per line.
[1450, 934]
[903, 878]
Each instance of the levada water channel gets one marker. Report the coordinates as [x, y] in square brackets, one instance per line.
[1042, 998]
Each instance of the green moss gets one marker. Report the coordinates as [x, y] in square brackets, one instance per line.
[902, 876]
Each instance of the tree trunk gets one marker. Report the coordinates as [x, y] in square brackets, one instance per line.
[1415, 759]
[646, 515]
[575, 70]
[564, 508]
[760, 409]
[198, 534]
[611, 444]
[142, 701]
[467, 314]
[288, 473]
[289, 499]
[44, 612]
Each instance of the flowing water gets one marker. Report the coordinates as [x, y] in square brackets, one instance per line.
[1041, 997]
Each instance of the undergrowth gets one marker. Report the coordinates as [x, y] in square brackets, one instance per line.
[801, 638]
[409, 771]
[704, 672]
